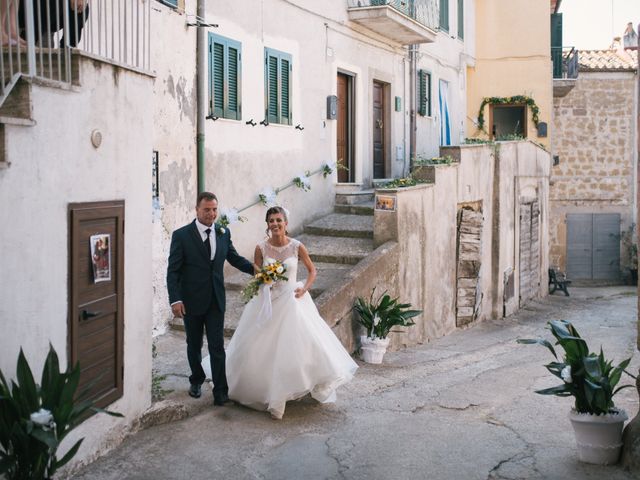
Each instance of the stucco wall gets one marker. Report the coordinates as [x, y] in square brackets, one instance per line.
[493, 177]
[241, 159]
[513, 45]
[53, 163]
[596, 137]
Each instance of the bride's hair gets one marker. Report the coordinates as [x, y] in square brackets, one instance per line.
[273, 211]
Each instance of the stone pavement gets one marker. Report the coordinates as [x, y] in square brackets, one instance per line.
[460, 407]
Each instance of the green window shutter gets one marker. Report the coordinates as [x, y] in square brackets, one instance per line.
[277, 86]
[422, 93]
[217, 79]
[224, 77]
[444, 15]
[428, 82]
[461, 19]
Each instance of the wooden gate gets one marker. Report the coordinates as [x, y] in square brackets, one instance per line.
[469, 261]
[529, 251]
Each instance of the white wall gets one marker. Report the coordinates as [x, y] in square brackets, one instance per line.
[53, 164]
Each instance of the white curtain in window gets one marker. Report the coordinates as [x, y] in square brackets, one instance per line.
[445, 120]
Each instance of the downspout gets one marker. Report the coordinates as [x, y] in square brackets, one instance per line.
[412, 105]
[201, 76]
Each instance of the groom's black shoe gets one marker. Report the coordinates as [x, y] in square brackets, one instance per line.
[195, 390]
[220, 400]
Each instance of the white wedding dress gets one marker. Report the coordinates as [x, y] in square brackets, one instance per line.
[292, 353]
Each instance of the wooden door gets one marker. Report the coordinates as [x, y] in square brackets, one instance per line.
[343, 136]
[96, 286]
[593, 246]
[529, 251]
[379, 116]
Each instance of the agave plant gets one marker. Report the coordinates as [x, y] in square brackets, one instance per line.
[34, 419]
[379, 316]
[588, 377]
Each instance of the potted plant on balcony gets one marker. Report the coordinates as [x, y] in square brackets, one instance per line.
[379, 316]
[591, 380]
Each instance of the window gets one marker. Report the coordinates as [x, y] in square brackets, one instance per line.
[461, 19]
[170, 3]
[508, 121]
[444, 15]
[224, 77]
[277, 86]
[424, 93]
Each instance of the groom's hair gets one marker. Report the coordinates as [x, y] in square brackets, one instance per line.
[205, 196]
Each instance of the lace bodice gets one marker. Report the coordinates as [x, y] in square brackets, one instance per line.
[287, 254]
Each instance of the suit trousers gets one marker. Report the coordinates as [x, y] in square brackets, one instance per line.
[212, 321]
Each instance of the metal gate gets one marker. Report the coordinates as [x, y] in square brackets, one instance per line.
[593, 246]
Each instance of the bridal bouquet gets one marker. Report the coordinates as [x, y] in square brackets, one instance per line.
[269, 274]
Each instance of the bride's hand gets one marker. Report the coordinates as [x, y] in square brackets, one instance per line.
[300, 291]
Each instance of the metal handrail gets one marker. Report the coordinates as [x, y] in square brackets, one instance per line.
[37, 47]
[565, 62]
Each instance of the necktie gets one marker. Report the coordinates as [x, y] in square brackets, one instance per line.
[207, 243]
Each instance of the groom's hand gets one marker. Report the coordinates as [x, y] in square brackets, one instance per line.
[178, 309]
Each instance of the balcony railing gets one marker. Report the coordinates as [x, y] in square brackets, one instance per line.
[43, 33]
[565, 62]
[387, 17]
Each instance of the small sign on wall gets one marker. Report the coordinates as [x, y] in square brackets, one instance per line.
[386, 203]
[100, 250]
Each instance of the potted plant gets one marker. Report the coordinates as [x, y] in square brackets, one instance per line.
[379, 316]
[34, 419]
[591, 380]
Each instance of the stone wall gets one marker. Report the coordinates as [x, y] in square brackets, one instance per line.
[595, 137]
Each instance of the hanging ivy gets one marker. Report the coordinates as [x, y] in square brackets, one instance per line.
[522, 99]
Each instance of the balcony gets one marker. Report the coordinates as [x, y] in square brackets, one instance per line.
[407, 22]
[47, 33]
[565, 69]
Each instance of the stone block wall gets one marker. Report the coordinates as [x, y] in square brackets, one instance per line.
[595, 136]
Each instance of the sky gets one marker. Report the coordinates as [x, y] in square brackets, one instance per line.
[592, 24]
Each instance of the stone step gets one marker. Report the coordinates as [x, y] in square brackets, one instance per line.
[342, 225]
[359, 209]
[354, 198]
[336, 249]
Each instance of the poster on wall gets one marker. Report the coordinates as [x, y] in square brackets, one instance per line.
[100, 246]
[386, 203]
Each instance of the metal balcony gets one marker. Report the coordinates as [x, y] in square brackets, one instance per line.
[407, 22]
[565, 69]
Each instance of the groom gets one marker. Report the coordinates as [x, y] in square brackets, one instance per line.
[195, 281]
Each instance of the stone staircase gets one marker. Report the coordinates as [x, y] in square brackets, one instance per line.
[335, 243]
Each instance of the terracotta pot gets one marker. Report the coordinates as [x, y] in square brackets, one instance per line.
[599, 437]
[373, 349]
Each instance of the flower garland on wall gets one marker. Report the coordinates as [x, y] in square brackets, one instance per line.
[267, 195]
[521, 99]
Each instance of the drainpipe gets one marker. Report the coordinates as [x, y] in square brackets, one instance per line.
[412, 105]
[201, 76]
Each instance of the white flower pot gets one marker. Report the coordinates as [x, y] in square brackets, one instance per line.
[599, 437]
[373, 349]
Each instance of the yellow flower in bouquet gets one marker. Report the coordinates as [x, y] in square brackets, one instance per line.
[272, 272]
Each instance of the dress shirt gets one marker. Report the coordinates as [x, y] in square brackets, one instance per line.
[212, 236]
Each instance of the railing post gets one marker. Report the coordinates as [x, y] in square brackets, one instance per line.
[31, 38]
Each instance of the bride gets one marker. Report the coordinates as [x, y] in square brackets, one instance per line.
[283, 352]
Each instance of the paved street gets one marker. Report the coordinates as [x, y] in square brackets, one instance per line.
[461, 407]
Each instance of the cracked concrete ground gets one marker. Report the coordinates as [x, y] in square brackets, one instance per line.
[460, 407]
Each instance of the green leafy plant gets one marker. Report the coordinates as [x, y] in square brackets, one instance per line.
[34, 419]
[588, 377]
[521, 99]
[380, 315]
[445, 160]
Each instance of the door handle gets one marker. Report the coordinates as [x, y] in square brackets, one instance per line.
[86, 314]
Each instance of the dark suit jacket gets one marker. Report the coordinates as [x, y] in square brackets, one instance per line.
[192, 277]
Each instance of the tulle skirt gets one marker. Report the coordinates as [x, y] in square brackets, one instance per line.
[285, 357]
